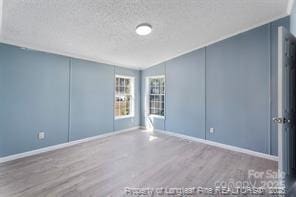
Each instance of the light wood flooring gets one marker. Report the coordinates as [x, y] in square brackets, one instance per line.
[105, 167]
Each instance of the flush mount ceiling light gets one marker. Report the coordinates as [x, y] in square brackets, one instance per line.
[143, 29]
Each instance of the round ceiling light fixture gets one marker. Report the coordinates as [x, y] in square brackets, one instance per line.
[143, 29]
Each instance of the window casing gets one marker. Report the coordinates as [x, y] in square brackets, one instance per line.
[124, 97]
[156, 96]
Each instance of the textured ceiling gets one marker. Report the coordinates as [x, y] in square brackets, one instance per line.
[104, 30]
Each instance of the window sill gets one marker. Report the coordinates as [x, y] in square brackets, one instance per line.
[124, 117]
[156, 116]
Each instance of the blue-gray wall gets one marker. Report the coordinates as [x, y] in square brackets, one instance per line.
[157, 123]
[293, 23]
[124, 123]
[91, 99]
[34, 97]
[67, 98]
[237, 90]
[185, 94]
[293, 19]
[229, 86]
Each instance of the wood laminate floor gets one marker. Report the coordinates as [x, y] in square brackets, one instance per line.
[105, 167]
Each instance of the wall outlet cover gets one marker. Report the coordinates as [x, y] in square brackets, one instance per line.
[41, 135]
[212, 130]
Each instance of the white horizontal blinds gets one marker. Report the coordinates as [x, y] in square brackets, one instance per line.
[123, 96]
[156, 96]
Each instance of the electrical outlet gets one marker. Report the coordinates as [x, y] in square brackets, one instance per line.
[41, 135]
[212, 130]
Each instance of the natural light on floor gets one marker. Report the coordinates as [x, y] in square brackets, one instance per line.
[151, 138]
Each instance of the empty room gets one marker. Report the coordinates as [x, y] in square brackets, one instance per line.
[147, 98]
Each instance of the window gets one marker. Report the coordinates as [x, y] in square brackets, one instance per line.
[156, 95]
[124, 97]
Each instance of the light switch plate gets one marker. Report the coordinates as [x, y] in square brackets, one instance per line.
[41, 135]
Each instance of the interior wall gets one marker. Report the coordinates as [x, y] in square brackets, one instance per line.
[124, 123]
[34, 97]
[61, 96]
[235, 80]
[67, 98]
[293, 19]
[185, 94]
[238, 92]
[91, 104]
[156, 123]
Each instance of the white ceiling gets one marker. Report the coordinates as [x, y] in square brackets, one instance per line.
[104, 30]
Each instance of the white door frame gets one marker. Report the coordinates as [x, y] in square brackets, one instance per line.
[281, 49]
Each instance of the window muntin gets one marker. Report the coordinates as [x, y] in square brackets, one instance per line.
[156, 96]
[124, 97]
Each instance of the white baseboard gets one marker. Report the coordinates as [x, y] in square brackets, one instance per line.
[71, 143]
[60, 146]
[220, 145]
